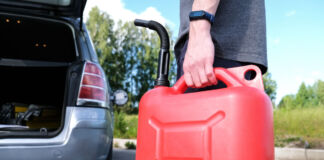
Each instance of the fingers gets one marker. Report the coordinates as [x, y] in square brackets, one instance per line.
[188, 79]
[196, 79]
[198, 62]
[210, 73]
[199, 76]
[191, 75]
[192, 79]
[203, 77]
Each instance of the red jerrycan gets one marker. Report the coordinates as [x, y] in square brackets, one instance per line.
[233, 123]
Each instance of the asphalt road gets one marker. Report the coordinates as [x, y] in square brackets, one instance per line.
[121, 154]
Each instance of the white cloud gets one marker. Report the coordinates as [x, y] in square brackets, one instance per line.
[316, 73]
[310, 79]
[116, 9]
[291, 13]
[276, 41]
[289, 83]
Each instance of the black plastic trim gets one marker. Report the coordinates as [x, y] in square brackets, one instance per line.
[164, 56]
[75, 9]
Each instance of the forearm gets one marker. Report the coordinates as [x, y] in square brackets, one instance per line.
[209, 6]
[198, 62]
[202, 27]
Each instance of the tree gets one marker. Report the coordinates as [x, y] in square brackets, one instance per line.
[306, 96]
[142, 48]
[270, 86]
[100, 26]
[128, 54]
[319, 92]
[302, 95]
[287, 102]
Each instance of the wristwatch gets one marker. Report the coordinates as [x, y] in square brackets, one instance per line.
[196, 15]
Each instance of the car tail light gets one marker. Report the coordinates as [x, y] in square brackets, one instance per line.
[93, 88]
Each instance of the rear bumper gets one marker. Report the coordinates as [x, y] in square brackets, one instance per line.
[87, 135]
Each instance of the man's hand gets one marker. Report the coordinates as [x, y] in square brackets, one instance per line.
[198, 62]
[199, 59]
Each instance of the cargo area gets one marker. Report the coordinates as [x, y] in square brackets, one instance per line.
[35, 56]
[31, 97]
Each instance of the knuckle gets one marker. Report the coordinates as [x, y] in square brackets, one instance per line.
[192, 65]
[186, 66]
[210, 74]
[200, 61]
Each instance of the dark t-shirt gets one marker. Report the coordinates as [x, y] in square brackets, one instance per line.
[239, 31]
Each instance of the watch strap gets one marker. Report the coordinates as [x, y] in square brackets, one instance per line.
[197, 15]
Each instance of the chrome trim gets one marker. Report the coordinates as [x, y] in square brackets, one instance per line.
[96, 75]
[92, 86]
[82, 101]
[81, 80]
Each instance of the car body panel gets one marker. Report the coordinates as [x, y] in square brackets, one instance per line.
[73, 142]
[86, 132]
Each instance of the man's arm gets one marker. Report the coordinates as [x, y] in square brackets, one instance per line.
[199, 59]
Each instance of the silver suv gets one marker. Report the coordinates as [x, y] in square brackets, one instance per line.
[55, 101]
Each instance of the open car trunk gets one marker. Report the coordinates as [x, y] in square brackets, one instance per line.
[34, 61]
[31, 97]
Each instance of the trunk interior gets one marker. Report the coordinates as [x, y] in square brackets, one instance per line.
[34, 61]
[32, 96]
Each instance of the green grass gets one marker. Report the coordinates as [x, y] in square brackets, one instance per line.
[125, 126]
[302, 124]
[130, 145]
[131, 121]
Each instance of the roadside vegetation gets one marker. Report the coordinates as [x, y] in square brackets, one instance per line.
[299, 127]
[299, 118]
[130, 145]
[125, 125]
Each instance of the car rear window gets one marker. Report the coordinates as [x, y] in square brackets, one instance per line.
[51, 2]
[35, 39]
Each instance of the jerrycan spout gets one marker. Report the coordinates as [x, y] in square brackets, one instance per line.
[164, 55]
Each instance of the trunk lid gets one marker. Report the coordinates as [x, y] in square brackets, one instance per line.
[56, 8]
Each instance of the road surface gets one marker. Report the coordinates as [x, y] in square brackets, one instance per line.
[121, 154]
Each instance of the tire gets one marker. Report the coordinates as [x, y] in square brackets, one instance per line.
[110, 154]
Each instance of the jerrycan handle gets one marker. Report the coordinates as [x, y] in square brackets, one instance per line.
[232, 77]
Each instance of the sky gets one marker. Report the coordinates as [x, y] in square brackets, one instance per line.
[295, 34]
